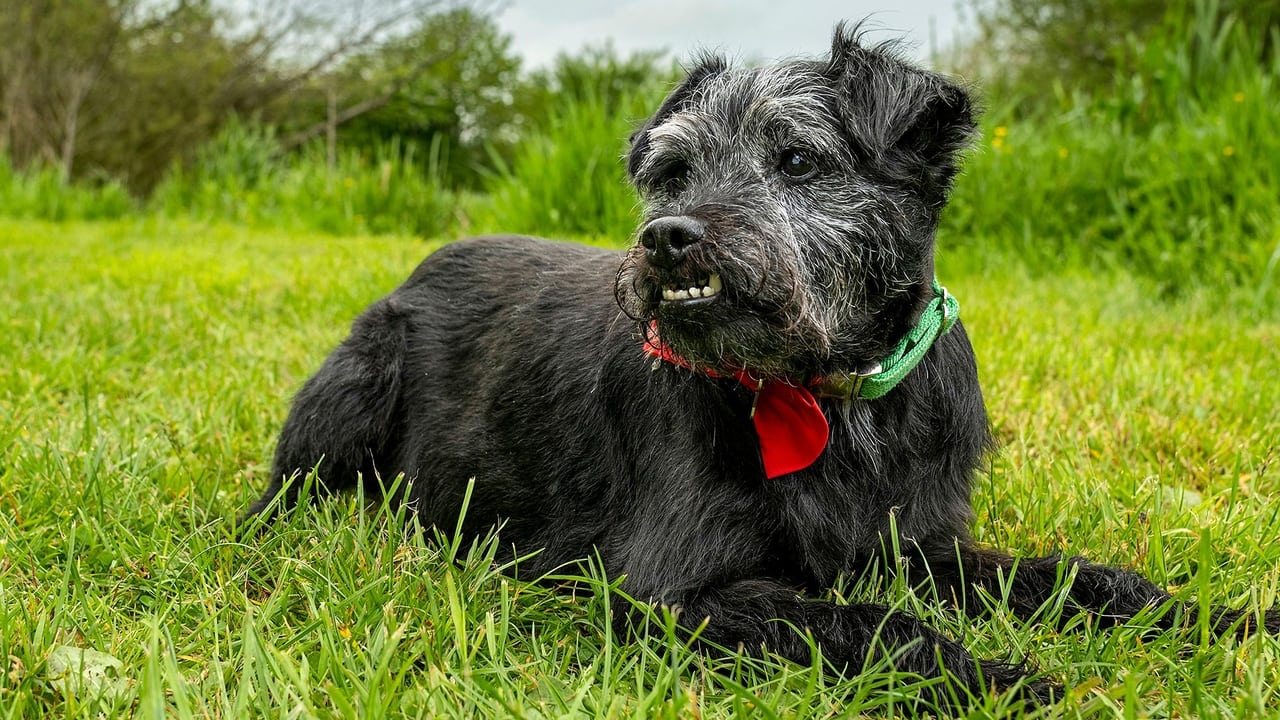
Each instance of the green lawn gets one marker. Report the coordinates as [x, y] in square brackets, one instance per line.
[147, 365]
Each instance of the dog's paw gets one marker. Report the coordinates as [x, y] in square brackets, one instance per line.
[1022, 683]
[1035, 692]
[1243, 624]
[1271, 621]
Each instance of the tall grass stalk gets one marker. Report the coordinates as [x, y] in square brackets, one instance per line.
[1171, 175]
[242, 177]
[568, 179]
[42, 193]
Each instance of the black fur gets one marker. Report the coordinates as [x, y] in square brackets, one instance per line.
[509, 360]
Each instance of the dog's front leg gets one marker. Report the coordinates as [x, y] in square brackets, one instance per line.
[766, 616]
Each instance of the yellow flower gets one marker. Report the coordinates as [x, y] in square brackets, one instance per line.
[1238, 97]
[997, 143]
[1229, 150]
[1001, 131]
[1062, 153]
[348, 183]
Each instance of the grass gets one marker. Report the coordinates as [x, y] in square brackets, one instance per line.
[568, 178]
[1166, 171]
[148, 363]
[1188, 202]
[241, 176]
[43, 193]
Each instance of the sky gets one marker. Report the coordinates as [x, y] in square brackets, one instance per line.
[742, 29]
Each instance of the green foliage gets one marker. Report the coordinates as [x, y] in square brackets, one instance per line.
[137, 415]
[456, 77]
[1171, 174]
[123, 88]
[1165, 168]
[242, 177]
[118, 88]
[42, 193]
[1190, 62]
[568, 178]
[1028, 48]
[597, 73]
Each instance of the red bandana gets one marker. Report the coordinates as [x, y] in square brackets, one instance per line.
[792, 430]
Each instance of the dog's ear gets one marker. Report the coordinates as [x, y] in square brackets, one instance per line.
[941, 125]
[704, 68]
[891, 107]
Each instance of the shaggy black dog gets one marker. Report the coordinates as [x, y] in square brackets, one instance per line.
[767, 391]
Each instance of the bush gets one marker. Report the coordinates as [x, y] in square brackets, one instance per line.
[43, 194]
[568, 178]
[242, 177]
[1171, 173]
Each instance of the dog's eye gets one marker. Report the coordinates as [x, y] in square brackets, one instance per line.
[796, 164]
[673, 176]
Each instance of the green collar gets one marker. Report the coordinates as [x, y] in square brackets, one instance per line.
[873, 382]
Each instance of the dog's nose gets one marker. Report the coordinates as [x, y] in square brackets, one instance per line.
[666, 239]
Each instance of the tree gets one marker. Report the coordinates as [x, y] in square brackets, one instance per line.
[600, 73]
[54, 52]
[449, 80]
[123, 87]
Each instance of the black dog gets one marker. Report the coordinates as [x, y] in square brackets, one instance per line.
[749, 403]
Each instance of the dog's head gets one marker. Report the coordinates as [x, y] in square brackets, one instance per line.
[791, 209]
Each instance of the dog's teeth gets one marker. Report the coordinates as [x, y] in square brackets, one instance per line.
[708, 288]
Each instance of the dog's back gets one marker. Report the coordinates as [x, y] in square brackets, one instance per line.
[506, 360]
[514, 348]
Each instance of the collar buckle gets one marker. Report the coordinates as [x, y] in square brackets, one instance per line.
[846, 386]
